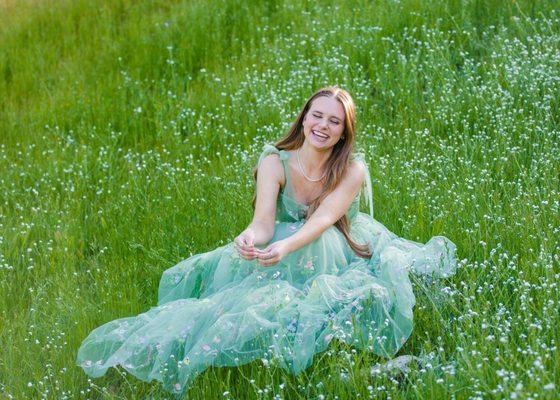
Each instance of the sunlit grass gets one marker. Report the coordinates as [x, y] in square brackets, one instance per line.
[128, 131]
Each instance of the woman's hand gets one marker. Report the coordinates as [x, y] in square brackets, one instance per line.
[273, 254]
[244, 244]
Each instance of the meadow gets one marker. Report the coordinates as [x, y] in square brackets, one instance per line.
[128, 134]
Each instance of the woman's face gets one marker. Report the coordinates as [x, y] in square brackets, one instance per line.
[323, 124]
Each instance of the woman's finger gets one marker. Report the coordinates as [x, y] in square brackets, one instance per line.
[247, 257]
[243, 246]
[247, 254]
[268, 263]
[269, 260]
[267, 256]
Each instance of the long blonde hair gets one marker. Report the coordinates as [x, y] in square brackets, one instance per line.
[338, 161]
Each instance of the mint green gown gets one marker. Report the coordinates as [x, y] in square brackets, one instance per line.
[217, 309]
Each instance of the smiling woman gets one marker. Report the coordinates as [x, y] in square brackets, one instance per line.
[309, 268]
[325, 121]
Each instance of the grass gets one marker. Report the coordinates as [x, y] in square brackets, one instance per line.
[128, 131]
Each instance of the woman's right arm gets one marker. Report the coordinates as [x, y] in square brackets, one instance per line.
[261, 229]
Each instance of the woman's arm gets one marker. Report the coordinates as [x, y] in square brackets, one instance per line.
[269, 176]
[261, 229]
[331, 209]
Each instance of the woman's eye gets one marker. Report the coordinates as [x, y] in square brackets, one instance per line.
[334, 122]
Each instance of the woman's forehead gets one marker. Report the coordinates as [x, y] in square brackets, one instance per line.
[328, 105]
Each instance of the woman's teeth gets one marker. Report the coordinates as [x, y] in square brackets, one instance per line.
[320, 135]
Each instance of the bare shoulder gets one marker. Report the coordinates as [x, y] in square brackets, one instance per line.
[355, 173]
[271, 167]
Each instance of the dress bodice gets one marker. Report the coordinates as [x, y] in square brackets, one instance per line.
[288, 209]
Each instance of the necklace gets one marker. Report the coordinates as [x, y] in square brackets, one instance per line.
[303, 172]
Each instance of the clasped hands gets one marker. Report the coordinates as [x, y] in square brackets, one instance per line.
[245, 246]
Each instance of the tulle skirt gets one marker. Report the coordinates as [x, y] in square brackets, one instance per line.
[217, 309]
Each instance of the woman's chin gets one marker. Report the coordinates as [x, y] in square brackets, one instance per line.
[320, 145]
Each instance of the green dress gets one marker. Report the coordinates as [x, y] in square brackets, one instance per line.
[218, 309]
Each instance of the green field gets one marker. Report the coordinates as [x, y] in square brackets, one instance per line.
[129, 130]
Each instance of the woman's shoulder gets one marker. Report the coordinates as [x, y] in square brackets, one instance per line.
[270, 166]
[269, 151]
[271, 160]
[356, 170]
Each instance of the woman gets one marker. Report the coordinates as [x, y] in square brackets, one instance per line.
[309, 268]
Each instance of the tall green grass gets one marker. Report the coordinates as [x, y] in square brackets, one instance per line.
[128, 131]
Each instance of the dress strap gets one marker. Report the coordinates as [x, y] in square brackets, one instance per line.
[367, 182]
[283, 154]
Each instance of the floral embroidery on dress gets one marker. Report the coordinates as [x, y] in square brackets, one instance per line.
[287, 298]
[307, 264]
[292, 326]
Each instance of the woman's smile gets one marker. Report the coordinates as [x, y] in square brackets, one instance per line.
[320, 136]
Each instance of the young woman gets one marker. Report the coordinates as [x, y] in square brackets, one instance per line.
[309, 268]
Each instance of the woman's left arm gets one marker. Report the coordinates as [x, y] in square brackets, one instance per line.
[331, 209]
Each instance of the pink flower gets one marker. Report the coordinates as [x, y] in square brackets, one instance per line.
[308, 265]
[205, 347]
[216, 339]
[328, 337]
